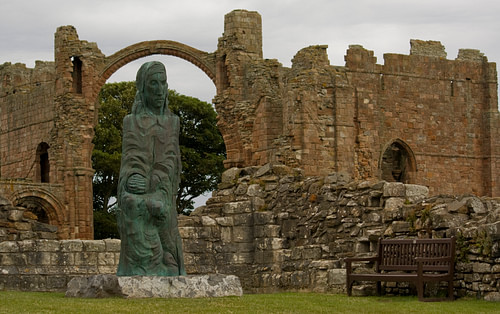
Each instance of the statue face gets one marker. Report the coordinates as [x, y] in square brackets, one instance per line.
[155, 91]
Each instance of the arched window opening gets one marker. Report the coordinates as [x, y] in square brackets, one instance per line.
[43, 165]
[398, 163]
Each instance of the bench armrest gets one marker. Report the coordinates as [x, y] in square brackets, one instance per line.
[349, 260]
[421, 260]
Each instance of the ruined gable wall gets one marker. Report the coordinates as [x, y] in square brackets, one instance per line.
[26, 116]
[434, 105]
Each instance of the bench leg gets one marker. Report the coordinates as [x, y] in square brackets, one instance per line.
[420, 289]
[379, 288]
[349, 287]
[450, 290]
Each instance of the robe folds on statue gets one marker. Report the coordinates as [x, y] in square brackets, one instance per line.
[147, 221]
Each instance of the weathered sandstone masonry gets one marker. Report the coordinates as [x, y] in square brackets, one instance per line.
[418, 118]
[278, 230]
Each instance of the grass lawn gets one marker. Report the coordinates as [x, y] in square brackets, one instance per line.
[45, 302]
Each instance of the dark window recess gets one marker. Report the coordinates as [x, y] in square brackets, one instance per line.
[77, 75]
[43, 173]
[396, 164]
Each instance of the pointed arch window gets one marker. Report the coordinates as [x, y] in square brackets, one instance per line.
[398, 163]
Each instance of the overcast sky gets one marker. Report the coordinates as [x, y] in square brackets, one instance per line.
[385, 26]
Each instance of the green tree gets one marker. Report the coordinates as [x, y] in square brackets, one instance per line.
[201, 144]
[202, 148]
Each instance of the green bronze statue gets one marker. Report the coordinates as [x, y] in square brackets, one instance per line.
[149, 179]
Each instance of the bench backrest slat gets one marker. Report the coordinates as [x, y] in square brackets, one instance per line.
[401, 254]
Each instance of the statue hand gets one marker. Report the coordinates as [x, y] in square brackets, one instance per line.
[136, 184]
[157, 210]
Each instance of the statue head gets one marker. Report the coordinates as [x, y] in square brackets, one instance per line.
[152, 89]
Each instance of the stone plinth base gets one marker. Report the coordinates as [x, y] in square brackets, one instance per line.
[199, 286]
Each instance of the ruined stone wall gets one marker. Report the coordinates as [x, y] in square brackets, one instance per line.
[436, 106]
[26, 117]
[279, 230]
[442, 113]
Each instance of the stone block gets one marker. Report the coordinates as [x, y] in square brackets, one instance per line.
[393, 204]
[25, 235]
[48, 245]
[208, 221]
[14, 259]
[9, 247]
[225, 221]
[226, 234]
[22, 226]
[400, 226]
[394, 189]
[71, 245]
[492, 296]
[458, 206]
[245, 219]
[43, 227]
[481, 267]
[263, 218]
[112, 245]
[255, 190]
[47, 235]
[416, 193]
[188, 232]
[94, 245]
[15, 215]
[337, 276]
[272, 231]
[102, 286]
[237, 207]
[105, 259]
[230, 176]
[86, 258]
[243, 234]
[476, 206]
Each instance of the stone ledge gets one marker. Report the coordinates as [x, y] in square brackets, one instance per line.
[199, 286]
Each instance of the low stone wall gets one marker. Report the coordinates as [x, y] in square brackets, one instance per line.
[48, 265]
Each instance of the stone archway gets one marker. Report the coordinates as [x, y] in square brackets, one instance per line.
[397, 163]
[44, 203]
[203, 60]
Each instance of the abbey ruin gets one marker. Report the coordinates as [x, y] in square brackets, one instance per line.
[322, 161]
[417, 119]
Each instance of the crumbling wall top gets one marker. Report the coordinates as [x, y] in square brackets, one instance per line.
[311, 57]
[428, 48]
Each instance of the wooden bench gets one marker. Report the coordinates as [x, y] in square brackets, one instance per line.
[409, 260]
